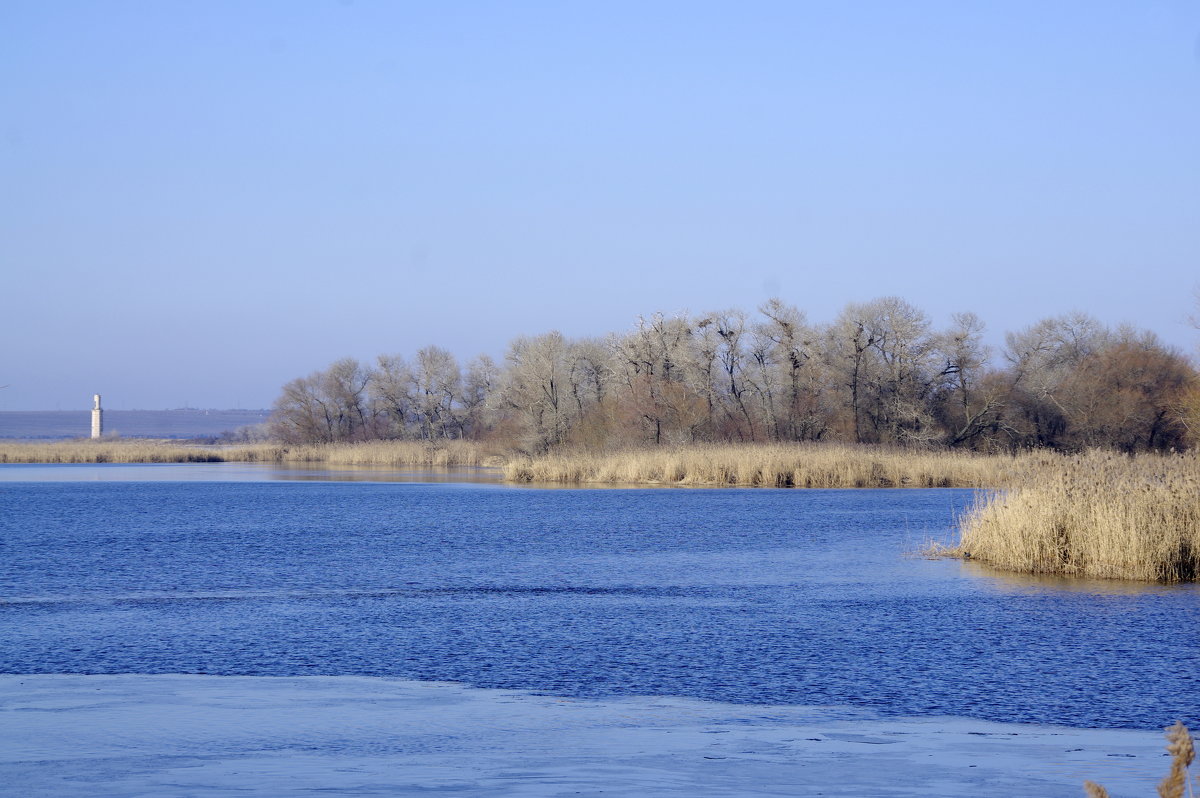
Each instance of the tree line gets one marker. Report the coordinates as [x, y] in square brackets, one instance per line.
[879, 373]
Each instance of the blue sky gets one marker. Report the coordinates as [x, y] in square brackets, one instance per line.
[202, 200]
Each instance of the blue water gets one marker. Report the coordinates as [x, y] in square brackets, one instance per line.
[764, 596]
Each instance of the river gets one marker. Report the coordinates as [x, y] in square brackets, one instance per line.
[744, 596]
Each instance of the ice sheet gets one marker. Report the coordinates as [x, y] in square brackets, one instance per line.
[136, 735]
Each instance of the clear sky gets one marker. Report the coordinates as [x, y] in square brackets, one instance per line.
[202, 200]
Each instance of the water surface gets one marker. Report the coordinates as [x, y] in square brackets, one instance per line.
[751, 596]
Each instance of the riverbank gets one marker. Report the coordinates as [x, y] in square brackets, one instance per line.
[128, 735]
[748, 465]
[378, 453]
[780, 466]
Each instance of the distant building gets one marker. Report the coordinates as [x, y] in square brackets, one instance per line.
[97, 418]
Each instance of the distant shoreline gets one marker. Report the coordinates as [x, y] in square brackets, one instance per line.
[178, 424]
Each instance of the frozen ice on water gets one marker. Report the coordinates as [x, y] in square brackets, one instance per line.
[136, 735]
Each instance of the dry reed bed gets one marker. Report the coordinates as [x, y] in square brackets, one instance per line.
[1096, 515]
[779, 465]
[383, 453]
[103, 451]
[388, 453]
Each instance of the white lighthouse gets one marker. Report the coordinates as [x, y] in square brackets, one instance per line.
[97, 418]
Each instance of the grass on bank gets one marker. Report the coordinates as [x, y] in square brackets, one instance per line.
[1096, 515]
[771, 465]
[381, 453]
[779, 465]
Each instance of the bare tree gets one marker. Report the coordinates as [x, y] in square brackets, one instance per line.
[877, 374]
[785, 350]
[1041, 357]
[326, 406]
[535, 387]
[850, 353]
[883, 352]
[480, 382]
[970, 403]
[590, 373]
[1126, 395]
[436, 381]
[301, 413]
[730, 328]
[651, 366]
[391, 396]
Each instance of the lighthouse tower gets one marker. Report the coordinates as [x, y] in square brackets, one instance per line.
[97, 418]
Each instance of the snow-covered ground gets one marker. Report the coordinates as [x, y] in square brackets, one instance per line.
[134, 735]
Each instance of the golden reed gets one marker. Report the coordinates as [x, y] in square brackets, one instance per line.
[1098, 515]
[385, 453]
[776, 465]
